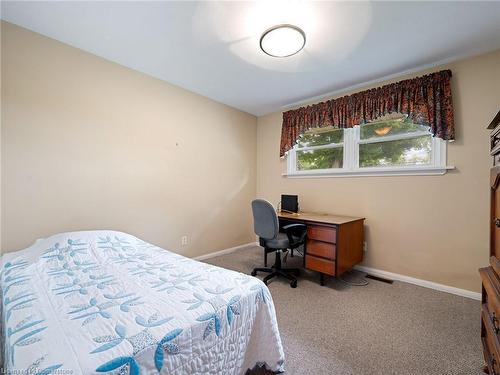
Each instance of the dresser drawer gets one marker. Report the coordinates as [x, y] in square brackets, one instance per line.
[490, 358]
[322, 233]
[491, 344]
[493, 313]
[321, 249]
[491, 285]
[320, 265]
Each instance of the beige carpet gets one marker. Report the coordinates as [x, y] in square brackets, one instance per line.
[369, 330]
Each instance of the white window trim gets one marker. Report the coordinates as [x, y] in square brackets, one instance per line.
[351, 159]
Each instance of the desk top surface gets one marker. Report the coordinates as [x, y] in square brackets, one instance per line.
[319, 217]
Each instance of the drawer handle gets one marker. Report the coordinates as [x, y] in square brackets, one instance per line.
[494, 320]
[497, 222]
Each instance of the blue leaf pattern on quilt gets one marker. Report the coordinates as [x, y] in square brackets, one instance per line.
[150, 268]
[153, 321]
[107, 346]
[125, 305]
[121, 331]
[128, 258]
[118, 295]
[22, 325]
[165, 345]
[23, 304]
[196, 302]
[110, 341]
[219, 289]
[13, 266]
[125, 364]
[54, 252]
[233, 308]
[26, 339]
[11, 281]
[67, 270]
[214, 324]
[140, 341]
[175, 282]
[263, 293]
[91, 311]
[126, 252]
[34, 368]
[14, 275]
[73, 248]
[77, 286]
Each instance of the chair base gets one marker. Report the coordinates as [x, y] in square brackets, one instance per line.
[284, 272]
[276, 270]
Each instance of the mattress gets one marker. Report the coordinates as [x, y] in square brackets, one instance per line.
[107, 302]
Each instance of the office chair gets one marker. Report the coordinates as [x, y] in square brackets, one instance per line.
[266, 226]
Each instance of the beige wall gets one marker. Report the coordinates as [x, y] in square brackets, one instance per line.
[429, 227]
[89, 144]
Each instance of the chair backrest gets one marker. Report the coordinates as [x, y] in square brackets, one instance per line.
[265, 219]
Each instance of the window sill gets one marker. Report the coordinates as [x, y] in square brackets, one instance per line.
[372, 172]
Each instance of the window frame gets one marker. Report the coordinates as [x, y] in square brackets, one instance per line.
[321, 147]
[351, 142]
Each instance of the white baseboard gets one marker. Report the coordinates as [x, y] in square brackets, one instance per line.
[371, 271]
[225, 251]
[420, 282]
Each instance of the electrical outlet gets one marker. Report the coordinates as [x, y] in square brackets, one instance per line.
[365, 246]
[184, 240]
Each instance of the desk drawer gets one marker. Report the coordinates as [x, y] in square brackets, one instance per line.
[322, 233]
[321, 265]
[321, 249]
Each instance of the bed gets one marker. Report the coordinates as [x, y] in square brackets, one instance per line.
[105, 302]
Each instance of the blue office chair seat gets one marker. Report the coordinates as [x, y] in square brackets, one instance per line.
[281, 241]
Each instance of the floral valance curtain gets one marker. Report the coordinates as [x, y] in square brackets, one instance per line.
[426, 100]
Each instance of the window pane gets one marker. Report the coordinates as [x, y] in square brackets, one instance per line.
[321, 137]
[390, 127]
[325, 158]
[413, 151]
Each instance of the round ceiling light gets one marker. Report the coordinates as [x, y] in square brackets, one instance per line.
[282, 40]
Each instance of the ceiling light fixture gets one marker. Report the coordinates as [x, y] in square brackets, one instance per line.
[282, 40]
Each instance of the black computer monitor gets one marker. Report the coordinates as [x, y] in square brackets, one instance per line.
[290, 203]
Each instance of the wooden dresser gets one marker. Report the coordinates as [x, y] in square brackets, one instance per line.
[334, 243]
[490, 276]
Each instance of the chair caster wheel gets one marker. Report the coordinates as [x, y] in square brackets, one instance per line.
[265, 282]
[293, 284]
[254, 273]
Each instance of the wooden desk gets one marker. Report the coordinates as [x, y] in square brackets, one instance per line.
[334, 243]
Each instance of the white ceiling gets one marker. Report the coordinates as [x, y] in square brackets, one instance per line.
[212, 48]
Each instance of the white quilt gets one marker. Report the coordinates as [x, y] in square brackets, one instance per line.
[106, 302]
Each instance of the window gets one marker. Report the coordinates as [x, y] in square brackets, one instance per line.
[391, 145]
[323, 149]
